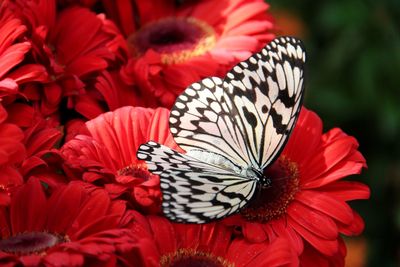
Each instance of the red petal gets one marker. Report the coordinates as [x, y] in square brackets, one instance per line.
[328, 157]
[88, 107]
[121, 132]
[27, 210]
[327, 247]
[96, 225]
[29, 73]
[96, 206]
[236, 252]
[238, 43]
[348, 190]
[188, 235]
[312, 220]
[165, 235]
[306, 134]
[249, 27]
[208, 11]
[39, 137]
[243, 13]
[215, 238]
[64, 205]
[31, 260]
[337, 209]
[356, 227]
[8, 87]
[159, 132]
[12, 56]
[21, 114]
[254, 232]
[64, 259]
[278, 253]
[281, 229]
[341, 170]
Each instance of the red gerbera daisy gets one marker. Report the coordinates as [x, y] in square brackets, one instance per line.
[74, 44]
[175, 46]
[40, 138]
[77, 225]
[307, 199]
[107, 94]
[12, 153]
[166, 244]
[108, 155]
[13, 52]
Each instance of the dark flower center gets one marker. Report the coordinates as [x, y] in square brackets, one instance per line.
[136, 170]
[30, 242]
[192, 258]
[271, 202]
[176, 39]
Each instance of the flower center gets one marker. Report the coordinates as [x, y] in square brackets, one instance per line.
[271, 202]
[30, 242]
[138, 170]
[176, 39]
[192, 258]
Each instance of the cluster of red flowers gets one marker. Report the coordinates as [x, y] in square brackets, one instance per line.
[84, 82]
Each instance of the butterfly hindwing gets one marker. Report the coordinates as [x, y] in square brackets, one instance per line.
[195, 191]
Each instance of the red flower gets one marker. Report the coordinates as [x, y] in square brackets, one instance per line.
[77, 225]
[107, 94]
[13, 52]
[307, 200]
[108, 155]
[42, 160]
[40, 138]
[12, 153]
[176, 46]
[74, 44]
[166, 244]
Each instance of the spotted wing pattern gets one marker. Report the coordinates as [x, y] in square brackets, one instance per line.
[266, 91]
[248, 116]
[195, 191]
[201, 119]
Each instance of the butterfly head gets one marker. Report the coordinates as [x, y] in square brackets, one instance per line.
[265, 182]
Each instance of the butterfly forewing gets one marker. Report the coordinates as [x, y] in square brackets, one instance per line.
[266, 91]
[201, 119]
[195, 191]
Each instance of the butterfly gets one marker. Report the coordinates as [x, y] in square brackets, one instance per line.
[232, 129]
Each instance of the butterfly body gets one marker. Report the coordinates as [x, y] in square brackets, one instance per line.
[232, 129]
[218, 160]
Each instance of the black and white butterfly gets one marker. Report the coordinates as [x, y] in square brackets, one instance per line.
[231, 129]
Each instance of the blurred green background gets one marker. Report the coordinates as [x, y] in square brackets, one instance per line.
[353, 83]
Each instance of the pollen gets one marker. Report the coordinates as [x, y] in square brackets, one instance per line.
[31, 242]
[137, 170]
[176, 39]
[185, 257]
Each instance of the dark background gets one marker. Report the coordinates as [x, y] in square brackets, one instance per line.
[353, 82]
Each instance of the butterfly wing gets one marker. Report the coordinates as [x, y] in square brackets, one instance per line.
[249, 115]
[201, 119]
[266, 92]
[195, 191]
